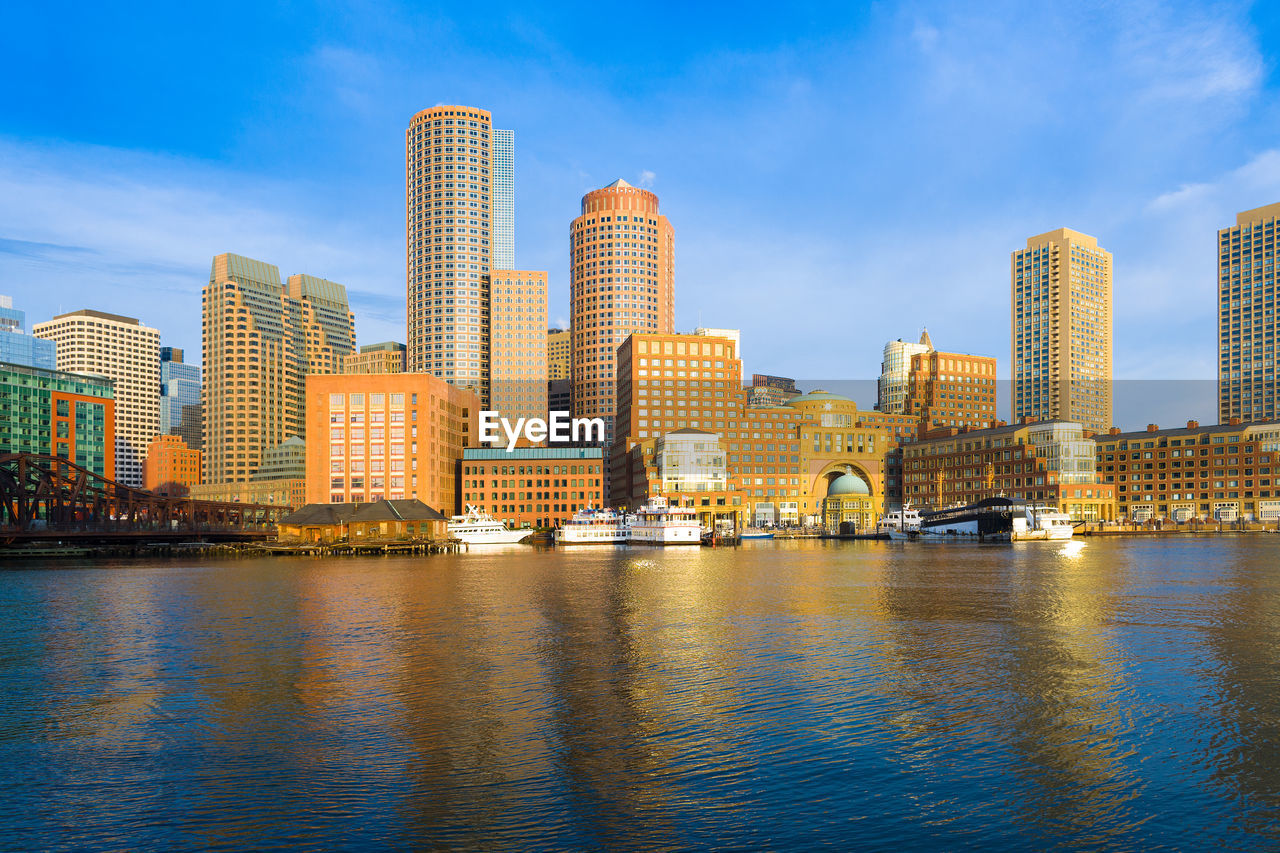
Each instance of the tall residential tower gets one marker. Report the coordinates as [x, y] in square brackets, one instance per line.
[1247, 356]
[621, 280]
[1060, 299]
[128, 353]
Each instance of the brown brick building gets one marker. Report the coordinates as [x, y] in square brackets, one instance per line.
[532, 486]
[1224, 472]
[170, 467]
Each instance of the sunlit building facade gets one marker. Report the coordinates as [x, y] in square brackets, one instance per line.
[1060, 297]
[621, 281]
[127, 352]
[385, 357]
[50, 412]
[1247, 353]
[518, 344]
[532, 486]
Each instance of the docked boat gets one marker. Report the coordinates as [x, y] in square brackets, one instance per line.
[755, 533]
[593, 527]
[997, 519]
[658, 523]
[903, 524]
[479, 528]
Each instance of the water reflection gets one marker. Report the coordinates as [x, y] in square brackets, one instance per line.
[790, 694]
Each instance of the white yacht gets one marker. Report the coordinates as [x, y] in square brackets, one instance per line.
[903, 524]
[593, 526]
[657, 523]
[479, 528]
[1047, 522]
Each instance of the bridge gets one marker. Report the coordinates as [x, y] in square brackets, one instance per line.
[47, 498]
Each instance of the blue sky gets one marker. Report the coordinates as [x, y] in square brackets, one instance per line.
[836, 176]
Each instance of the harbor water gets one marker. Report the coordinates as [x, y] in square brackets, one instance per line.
[1119, 694]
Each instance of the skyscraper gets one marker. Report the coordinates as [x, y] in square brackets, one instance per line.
[128, 353]
[1060, 288]
[621, 280]
[261, 339]
[518, 317]
[180, 409]
[895, 369]
[558, 349]
[450, 169]
[16, 347]
[1247, 356]
[504, 199]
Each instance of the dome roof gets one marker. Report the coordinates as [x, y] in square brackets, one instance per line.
[848, 484]
[817, 395]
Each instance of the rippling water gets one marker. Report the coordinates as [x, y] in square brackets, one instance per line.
[781, 695]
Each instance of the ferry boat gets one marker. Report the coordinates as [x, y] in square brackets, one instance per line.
[593, 526]
[997, 519]
[657, 523]
[903, 524]
[479, 528]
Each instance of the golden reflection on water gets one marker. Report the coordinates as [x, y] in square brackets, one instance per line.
[1045, 691]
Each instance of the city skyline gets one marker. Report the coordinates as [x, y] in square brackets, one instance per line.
[123, 211]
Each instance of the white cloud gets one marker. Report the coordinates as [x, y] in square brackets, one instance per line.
[646, 178]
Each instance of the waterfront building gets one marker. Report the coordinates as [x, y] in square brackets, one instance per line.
[518, 344]
[895, 373]
[849, 506]
[1060, 300]
[1226, 472]
[181, 412]
[171, 467]
[947, 389]
[779, 460]
[1051, 462]
[532, 486]
[374, 520]
[558, 351]
[1247, 353]
[127, 352]
[385, 357]
[504, 199]
[52, 412]
[18, 347]
[449, 243]
[621, 281]
[391, 436]
[262, 337]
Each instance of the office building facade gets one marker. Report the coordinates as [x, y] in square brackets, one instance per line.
[128, 353]
[262, 337]
[532, 486]
[1061, 336]
[181, 412]
[504, 199]
[18, 347]
[50, 412]
[171, 467]
[391, 436]
[518, 343]
[385, 357]
[947, 389]
[558, 351]
[895, 371]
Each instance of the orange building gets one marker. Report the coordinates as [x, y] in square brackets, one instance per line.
[518, 343]
[621, 280]
[387, 436]
[170, 467]
[1227, 472]
[952, 390]
[533, 486]
[777, 460]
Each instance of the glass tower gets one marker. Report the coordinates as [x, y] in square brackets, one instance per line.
[504, 199]
[180, 411]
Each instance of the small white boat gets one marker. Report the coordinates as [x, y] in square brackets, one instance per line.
[479, 528]
[657, 523]
[1046, 522]
[594, 527]
[901, 525]
[755, 533]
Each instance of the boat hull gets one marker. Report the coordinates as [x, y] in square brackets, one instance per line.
[506, 537]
